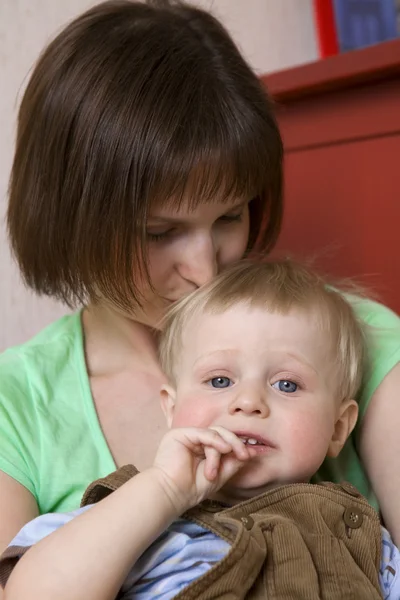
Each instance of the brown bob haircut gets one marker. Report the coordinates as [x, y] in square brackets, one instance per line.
[134, 104]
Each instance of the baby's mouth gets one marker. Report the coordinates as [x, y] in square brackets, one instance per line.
[248, 441]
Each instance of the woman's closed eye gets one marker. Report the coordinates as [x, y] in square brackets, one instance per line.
[159, 236]
[236, 218]
[220, 382]
[285, 385]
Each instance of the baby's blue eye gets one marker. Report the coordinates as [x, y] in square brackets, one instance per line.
[284, 385]
[220, 382]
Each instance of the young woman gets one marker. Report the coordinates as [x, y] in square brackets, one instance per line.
[147, 159]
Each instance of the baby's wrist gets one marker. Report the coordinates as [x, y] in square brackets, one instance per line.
[169, 493]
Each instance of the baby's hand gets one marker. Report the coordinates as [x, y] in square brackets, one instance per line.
[194, 463]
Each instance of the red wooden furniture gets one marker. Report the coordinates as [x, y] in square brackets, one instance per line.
[340, 120]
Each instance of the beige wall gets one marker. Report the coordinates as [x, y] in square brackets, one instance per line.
[273, 34]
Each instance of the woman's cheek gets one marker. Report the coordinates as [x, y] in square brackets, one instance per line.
[234, 242]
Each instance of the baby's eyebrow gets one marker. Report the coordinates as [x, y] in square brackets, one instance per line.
[301, 360]
[203, 359]
[214, 359]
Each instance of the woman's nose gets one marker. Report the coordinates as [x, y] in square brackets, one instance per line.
[199, 264]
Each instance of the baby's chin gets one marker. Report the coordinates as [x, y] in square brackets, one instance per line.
[233, 493]
[244, 487]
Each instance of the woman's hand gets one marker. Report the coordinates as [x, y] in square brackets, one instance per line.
[194, 463]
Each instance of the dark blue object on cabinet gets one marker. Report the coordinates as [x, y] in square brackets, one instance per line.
[362, 23]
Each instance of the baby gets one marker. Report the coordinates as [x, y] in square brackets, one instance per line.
[264, 365]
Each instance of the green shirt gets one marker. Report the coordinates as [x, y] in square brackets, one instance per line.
[50, 437]
[382, 328]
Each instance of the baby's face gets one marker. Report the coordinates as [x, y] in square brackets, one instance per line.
[267, 377]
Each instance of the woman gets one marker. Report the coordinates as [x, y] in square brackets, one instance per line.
[147, 159]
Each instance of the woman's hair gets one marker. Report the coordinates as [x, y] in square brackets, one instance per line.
[134, 103]
[277, 287]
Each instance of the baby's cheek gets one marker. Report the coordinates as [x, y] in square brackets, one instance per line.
[309, 441]
[193, 413]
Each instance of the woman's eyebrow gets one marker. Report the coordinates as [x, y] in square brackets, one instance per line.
[162, 220]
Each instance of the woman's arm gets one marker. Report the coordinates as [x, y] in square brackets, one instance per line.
[17, 507]
[380, 448]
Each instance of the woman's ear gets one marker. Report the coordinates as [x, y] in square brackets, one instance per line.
[345, 423]
[168, 397]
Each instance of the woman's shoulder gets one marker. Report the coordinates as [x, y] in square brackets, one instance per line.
[382, 333]
[38, 373]
[43, 399]
[43, 356]
[47, 418]
[375, 314]
[382, 330]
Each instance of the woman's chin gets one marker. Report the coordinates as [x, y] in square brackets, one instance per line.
[153, 316]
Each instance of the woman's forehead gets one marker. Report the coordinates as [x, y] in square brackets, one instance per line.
[202, 188]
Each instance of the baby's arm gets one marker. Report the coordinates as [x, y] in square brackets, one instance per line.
[89, 557]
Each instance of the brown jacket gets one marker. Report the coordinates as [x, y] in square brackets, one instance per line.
[299, 541]
[303, 541]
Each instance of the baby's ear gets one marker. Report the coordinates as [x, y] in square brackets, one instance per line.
[168, 397]
[345, 423]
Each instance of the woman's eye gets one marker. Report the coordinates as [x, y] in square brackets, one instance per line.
[231, 218]
[285, 385]
[220, 382]
[159, 236]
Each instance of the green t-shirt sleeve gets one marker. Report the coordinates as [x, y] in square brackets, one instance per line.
[18, 423]
[382, 328]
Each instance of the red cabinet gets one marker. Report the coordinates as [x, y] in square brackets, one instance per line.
[340, 120]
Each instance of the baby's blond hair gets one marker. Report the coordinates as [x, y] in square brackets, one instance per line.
[277, 286]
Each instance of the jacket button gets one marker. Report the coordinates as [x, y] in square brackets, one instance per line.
[353, 517]
[350, 489]
[246, 521]
[212, 506]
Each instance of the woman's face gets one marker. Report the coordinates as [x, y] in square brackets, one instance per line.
[188, 247]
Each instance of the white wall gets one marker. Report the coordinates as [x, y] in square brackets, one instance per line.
[273, 34]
